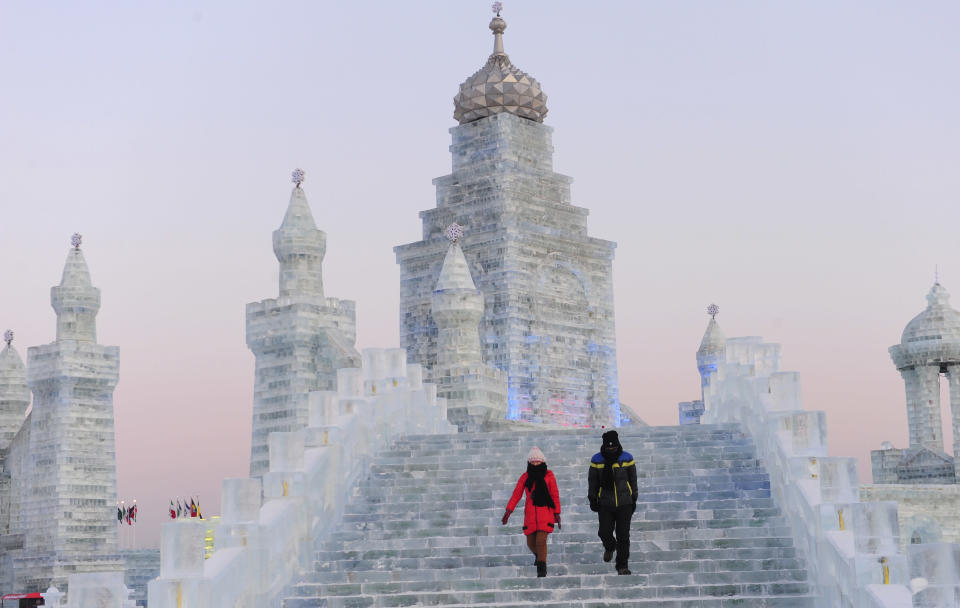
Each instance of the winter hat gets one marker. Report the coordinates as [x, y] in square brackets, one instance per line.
[535, 455]
[611, 439]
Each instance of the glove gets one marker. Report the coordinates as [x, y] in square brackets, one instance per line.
[594, 505]
[506, 516]
[556, 516]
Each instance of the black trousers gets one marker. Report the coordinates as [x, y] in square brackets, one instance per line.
[618, 519]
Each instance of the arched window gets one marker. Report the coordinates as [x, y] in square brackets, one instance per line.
[915, 538]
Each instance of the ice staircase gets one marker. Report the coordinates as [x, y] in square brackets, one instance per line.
[424, 529]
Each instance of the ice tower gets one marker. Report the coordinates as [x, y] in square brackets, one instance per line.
[299, 339]
[548, 318]
[64, 458]
[929, 348]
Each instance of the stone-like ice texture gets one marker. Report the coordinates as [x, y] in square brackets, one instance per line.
[62, 461]
[299, 339]
[424, 528]
[547, 288]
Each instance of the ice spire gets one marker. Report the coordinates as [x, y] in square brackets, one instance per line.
[711, 352]
[75, 300]
[14, 394]
[714, 339]
[300, 246]
[457, 307]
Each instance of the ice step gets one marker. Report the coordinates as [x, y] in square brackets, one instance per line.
[424, 529]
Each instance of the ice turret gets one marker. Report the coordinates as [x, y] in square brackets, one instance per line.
[300, 247]
[711, 351]
[930, 346]
[75, 299]
[299, 339]
[14, 394]
[457, 308]
[476, 393]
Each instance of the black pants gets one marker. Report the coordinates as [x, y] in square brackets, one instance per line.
[618, 518]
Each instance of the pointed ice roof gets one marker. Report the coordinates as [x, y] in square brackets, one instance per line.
[713, 339]
[76, 274]
[298, 217]
[11, 366]
[455, 272]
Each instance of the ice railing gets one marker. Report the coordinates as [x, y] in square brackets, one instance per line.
[261, 547]
[851, 548]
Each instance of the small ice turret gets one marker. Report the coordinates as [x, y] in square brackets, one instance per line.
[457, 307]
[476, 393]
[711, 351]
[300, 247]
[75, 300]
[14, 394]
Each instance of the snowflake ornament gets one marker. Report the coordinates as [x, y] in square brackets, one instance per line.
[497, 7]
[297, 177]
[8, 336]
[454, 232]
[712, 310]
[76, 239]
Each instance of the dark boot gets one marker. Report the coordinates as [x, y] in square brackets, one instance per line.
[607, 555]
[541, 569]
[624, 570]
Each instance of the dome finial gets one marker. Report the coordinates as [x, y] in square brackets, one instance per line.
[76, 239]
[8, 336]
[498, 25]
[936, 274]
[712, 310]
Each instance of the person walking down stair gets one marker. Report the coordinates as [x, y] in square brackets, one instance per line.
[612, 490]
[541, 511]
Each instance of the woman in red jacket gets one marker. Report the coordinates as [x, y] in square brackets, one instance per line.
[542, 508]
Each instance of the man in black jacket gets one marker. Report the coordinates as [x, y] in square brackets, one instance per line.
[613, 495]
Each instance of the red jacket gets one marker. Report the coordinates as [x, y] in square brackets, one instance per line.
[536, 519]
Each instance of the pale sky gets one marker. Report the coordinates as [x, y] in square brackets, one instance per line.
[796, 163]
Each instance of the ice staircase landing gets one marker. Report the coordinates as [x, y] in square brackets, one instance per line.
[424, 529]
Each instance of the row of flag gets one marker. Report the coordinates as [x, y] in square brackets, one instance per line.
[183, 509]
[127, 514]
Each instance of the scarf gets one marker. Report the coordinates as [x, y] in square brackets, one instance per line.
[610, 459]
[538, 486]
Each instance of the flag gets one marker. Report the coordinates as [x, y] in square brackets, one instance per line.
[179, 509]
[173, 510]
[133, 511]
[119, 514]
[199, 514]
[193, 508]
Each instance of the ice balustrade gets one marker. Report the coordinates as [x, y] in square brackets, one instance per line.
[852, 548]
[259, 546]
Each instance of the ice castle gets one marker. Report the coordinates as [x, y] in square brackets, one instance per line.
[378, 477]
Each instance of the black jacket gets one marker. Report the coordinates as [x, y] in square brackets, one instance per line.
[624, 482]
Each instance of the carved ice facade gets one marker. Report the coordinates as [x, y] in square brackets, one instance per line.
[547, 288]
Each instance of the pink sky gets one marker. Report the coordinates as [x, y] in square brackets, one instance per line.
[794, 163]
